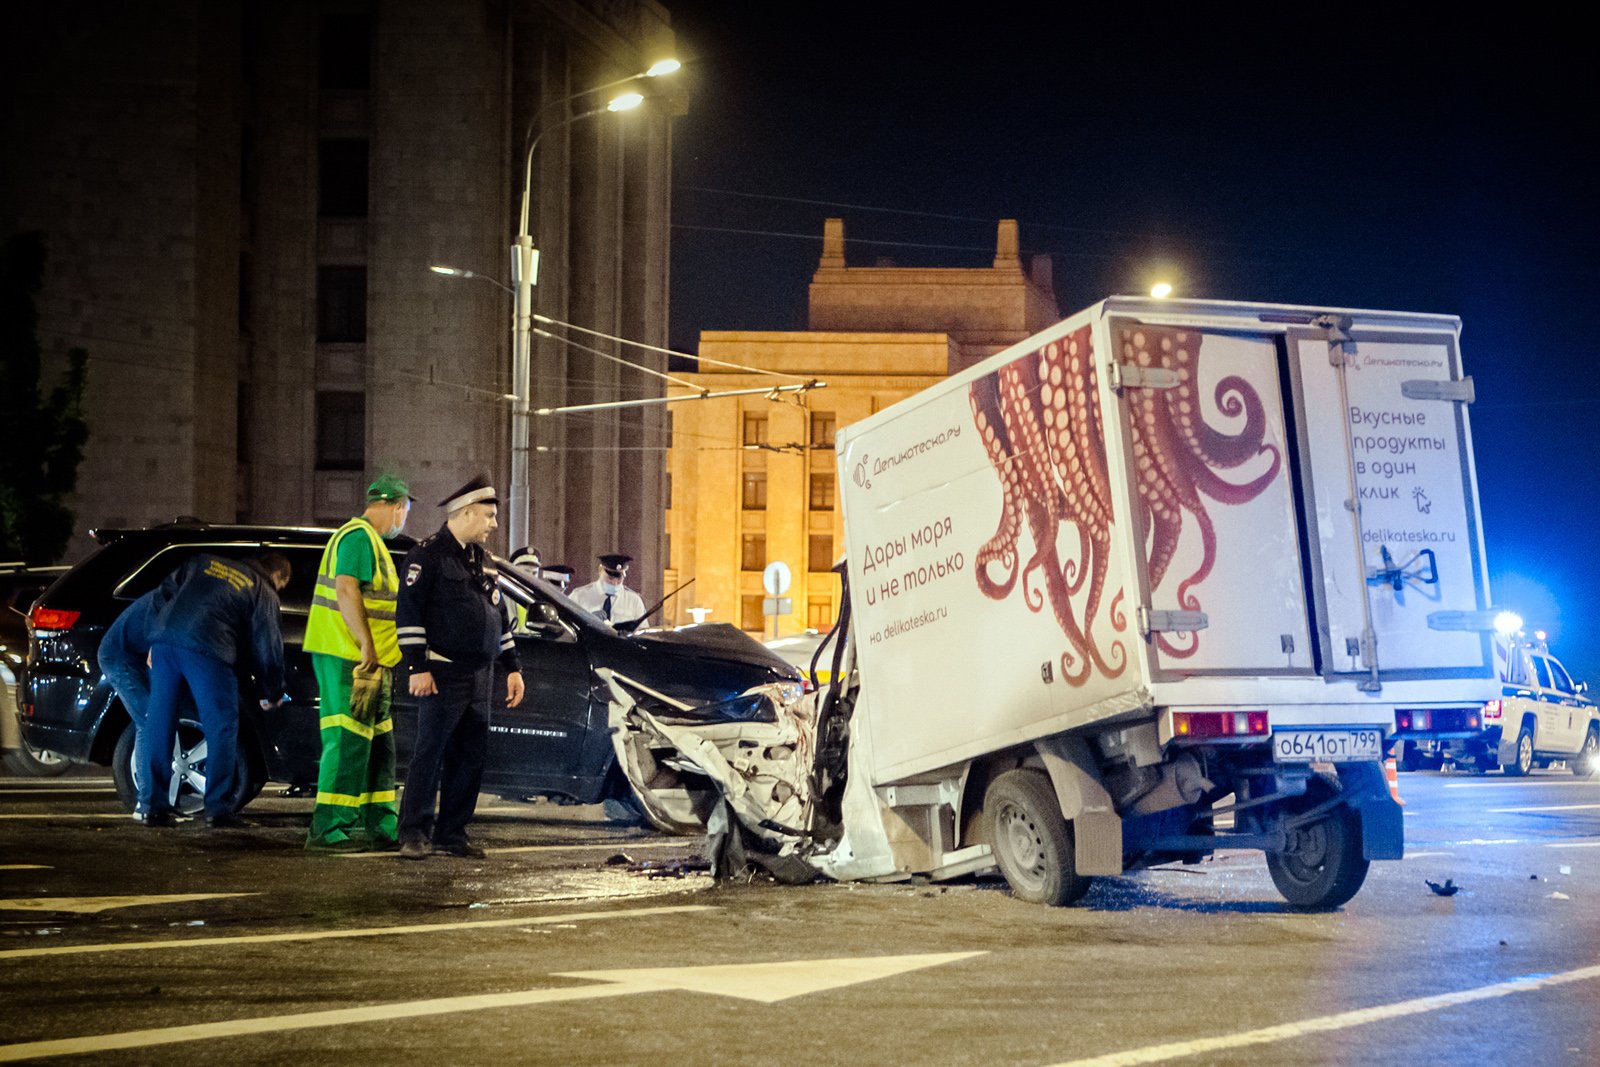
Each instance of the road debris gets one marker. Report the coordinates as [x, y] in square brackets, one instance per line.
[1449, 889]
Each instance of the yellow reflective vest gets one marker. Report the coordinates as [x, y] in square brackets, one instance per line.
[326, 631]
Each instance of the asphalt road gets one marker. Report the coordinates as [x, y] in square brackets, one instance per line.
[120, 944]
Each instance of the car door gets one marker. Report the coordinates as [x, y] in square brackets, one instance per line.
[1552, 716]
[539, 744]
[1571, 711]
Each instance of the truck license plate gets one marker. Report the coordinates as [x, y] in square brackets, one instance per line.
[1327, 746]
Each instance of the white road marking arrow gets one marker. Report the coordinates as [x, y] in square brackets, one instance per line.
[765, 982]
[90, 905]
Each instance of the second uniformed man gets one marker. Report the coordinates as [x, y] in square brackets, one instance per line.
[452, 628]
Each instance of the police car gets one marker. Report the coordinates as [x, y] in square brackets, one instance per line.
[1543, 716]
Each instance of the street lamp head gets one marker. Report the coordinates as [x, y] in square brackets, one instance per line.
[625, 102]
[661, 67]
[452, 272]
[1161, 290]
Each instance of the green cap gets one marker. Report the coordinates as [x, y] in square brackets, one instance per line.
[388, 488]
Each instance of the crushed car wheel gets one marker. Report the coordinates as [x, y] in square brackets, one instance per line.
[1031, 841]
[1324, 867]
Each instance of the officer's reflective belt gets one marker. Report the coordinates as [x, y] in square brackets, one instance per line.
[360, 729]
[345, 800]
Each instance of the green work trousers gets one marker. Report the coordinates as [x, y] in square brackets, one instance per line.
[355, 781]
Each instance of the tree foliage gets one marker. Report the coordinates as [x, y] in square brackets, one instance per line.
[41, 435]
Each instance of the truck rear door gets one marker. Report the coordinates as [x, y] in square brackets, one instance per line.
[1392, 519]
[1210, 455]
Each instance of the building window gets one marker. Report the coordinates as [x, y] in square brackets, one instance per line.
[821, 490]
[821, 553]
[342, 178]
[819, 613]
[823, 425]
[753, 554]
[667, 428]
[243, 405]
[755, 428]
[345, 52]
[341, 431]
[341, 303]
[668, 504]
[754, 494]
[750, 617]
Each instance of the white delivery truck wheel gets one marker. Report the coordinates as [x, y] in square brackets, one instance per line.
[1031, 841]
[1325, 867]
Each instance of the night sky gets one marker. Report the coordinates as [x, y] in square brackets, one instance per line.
[1424, 166]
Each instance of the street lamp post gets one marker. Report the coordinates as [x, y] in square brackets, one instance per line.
[524, 276]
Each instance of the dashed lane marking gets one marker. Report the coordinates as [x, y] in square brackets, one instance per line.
[763, 982]
[56, 816]
[92, 905]
[330, 935]
[1327, 1023]
[615, 846]
[1420, 855]
[23, 867]
[1547, 807]
[1577, 844]
[1522, 782]
[7, 790]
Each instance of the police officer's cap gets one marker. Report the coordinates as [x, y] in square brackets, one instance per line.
[388, 489]
[560, 570]
[525, 554]
[615, 563]
[477, 491]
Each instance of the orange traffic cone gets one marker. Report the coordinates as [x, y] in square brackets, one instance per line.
[1393, 777]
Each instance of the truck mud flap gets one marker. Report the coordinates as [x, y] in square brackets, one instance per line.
[1382, 823]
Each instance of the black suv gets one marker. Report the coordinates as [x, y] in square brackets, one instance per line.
[556, 744]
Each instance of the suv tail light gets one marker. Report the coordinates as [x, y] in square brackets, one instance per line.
[52, 618]
[1219, 724]
[1491, 711]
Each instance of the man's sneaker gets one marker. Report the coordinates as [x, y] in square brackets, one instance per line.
[225, 821]
[384, 844]
[415, 850]
[466, 850]
[160, 818]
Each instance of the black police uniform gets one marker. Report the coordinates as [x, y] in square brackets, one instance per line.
[450, 624]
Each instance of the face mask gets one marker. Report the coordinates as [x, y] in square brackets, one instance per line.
[610, 588]
[392, 534]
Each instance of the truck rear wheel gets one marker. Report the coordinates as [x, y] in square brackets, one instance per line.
[1521, 764]
[1324, 867]
[1587, 761]
[1032, 842]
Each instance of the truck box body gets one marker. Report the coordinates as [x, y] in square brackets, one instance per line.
[1154, 582]
[1148, 506]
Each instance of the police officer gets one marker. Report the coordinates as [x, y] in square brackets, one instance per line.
[607, 597]
[219, 611]
[350, 634]
[452, 629]
[558, 575]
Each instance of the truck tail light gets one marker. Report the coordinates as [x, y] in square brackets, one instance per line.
[1402, 720]
[1491, 711]
[52, 618]
[1194, 724]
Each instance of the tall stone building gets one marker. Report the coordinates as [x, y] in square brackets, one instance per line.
[241, 200]
[753, 479]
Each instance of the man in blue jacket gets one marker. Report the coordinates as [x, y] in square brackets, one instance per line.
[124, 660]
[222, 614]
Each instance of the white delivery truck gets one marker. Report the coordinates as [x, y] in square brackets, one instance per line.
[1151, 583]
